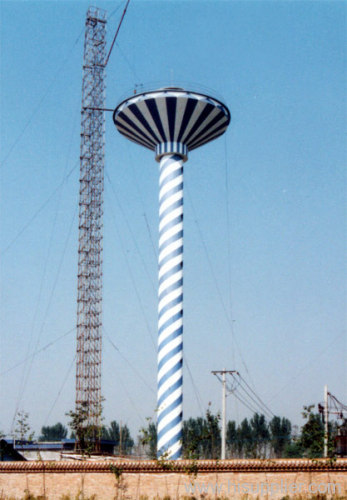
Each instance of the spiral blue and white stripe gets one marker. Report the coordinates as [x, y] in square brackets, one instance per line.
[172, 122]
[170, 307]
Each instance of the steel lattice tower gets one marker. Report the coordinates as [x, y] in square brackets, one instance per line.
[89, 293]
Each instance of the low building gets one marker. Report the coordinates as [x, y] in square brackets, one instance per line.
[54, 450]
[8, 453]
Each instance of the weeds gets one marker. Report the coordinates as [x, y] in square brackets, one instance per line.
[31, 496]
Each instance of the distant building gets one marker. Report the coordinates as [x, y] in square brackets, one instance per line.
[8, 453]
[55, 450]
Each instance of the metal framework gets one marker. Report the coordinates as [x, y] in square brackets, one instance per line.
[89, 293]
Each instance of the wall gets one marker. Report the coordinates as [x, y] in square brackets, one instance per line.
[136, 480]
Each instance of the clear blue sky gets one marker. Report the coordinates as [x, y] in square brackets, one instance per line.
[265, 226]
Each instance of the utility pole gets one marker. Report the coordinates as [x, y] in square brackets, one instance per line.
[223, 373]
[120, 438]
[224, 396]
[326, 418]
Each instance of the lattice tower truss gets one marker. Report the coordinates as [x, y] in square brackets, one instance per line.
[89, 296]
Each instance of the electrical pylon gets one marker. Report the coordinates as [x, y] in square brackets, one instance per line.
[89, 290]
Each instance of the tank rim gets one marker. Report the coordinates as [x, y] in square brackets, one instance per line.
[171, 89]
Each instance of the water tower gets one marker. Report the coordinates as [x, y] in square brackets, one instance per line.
[171, 122]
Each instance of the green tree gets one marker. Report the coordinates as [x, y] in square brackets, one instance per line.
[312, 433]
[120, 435]
[111, 432]
[86, 435]
[239, 442]
[148, 438]
[246, 439]
[280, 431]
[212, 435]
[260, 435]
[201, 437]
[293, 450]
[55, 432]
[126, 442]
[232, 438]
[193, 437]
[22, 429]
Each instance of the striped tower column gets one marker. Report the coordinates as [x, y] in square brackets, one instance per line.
[171, 122]
[170, 307]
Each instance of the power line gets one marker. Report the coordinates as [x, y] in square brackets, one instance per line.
[228, 224]
[37, 107]
[38, 351]
[128, 362]
[139, 193]
[258, 398]
[36, 310]
[253, 401]
[114, 12]
[254, 405]
[219, 293]
[247, 405]
[129, 64]
[149, 276]
[124, 387]
[150, 234]
[197, 394]
[39, 210]
[22, 390]
[49, 247]
[338, 405]
[227, 209]
[138, 295]
[61, 388]
[239, 381]
[57, 274]
[308, 365]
